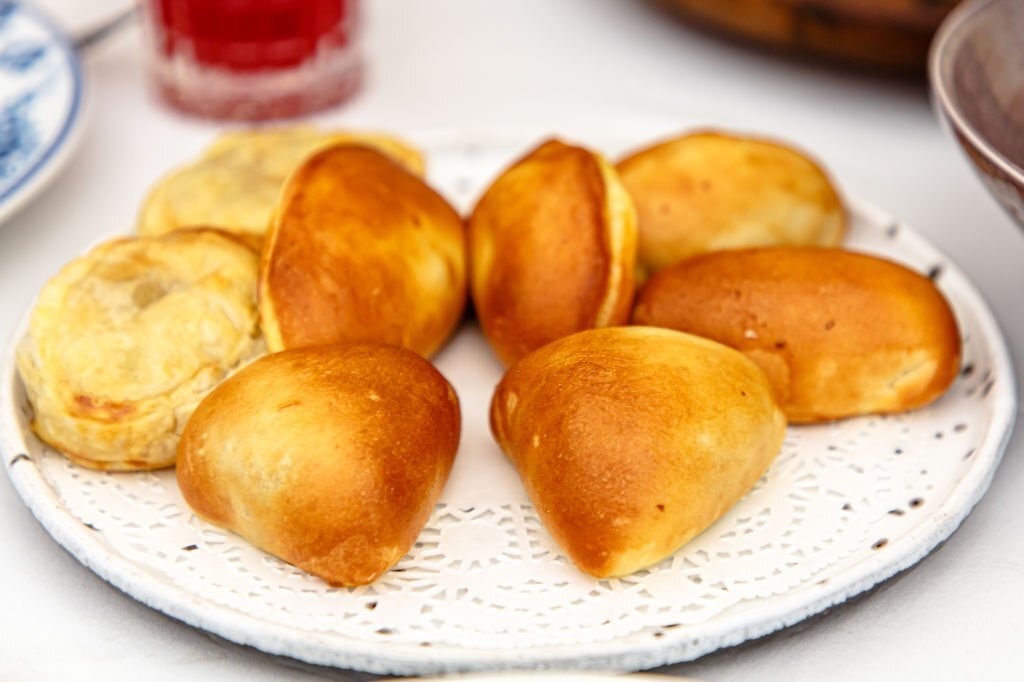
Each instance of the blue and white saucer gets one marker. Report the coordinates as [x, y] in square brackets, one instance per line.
[41, 93]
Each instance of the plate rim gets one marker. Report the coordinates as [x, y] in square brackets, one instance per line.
[44, 170]
[320, 649]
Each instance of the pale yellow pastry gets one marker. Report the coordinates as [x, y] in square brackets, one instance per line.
[709, 191]
[125, 341]
[632, 440]
[552, 250]
[360, 249]
[237, 181]
[330, 458]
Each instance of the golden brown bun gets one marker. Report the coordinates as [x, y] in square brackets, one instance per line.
[126, 340]
[709, 191]
[632, 440]
[838, 333]
[330, 458]
[360, 249]
[552, 250]
[237, 181]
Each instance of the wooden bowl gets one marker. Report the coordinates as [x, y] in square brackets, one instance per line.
[887, 35]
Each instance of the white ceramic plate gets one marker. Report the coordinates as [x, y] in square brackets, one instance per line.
[41, 94]
[845, 506]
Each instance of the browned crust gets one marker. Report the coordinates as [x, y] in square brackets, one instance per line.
[360, 249]
[838, 333]
[632, 156]
[542, 252]
[331, 458]
[631, 441]
[656, 230]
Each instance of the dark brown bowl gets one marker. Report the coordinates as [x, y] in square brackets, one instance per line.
[880, 35]
[977, 76]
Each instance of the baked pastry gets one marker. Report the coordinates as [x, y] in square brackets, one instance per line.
[360, 249]
[125, 341]
[330, 458]
[552, 250]
[838, 333]
[709, 191]
[237, 181]
[632, 440]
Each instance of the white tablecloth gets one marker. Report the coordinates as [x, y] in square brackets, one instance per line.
[559, 65]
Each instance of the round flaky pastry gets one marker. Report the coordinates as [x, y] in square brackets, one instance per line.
[236, 182]
[125, 341]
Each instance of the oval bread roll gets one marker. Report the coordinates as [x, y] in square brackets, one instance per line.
[552, 250]
[126, 340]
[360, 249]
[709, 191]
[838, 333]
[632, 440]
[330, 458]
[237, 181]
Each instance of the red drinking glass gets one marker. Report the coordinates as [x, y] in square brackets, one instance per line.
[253, 59]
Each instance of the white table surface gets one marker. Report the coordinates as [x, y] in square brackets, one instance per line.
[561, 65]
